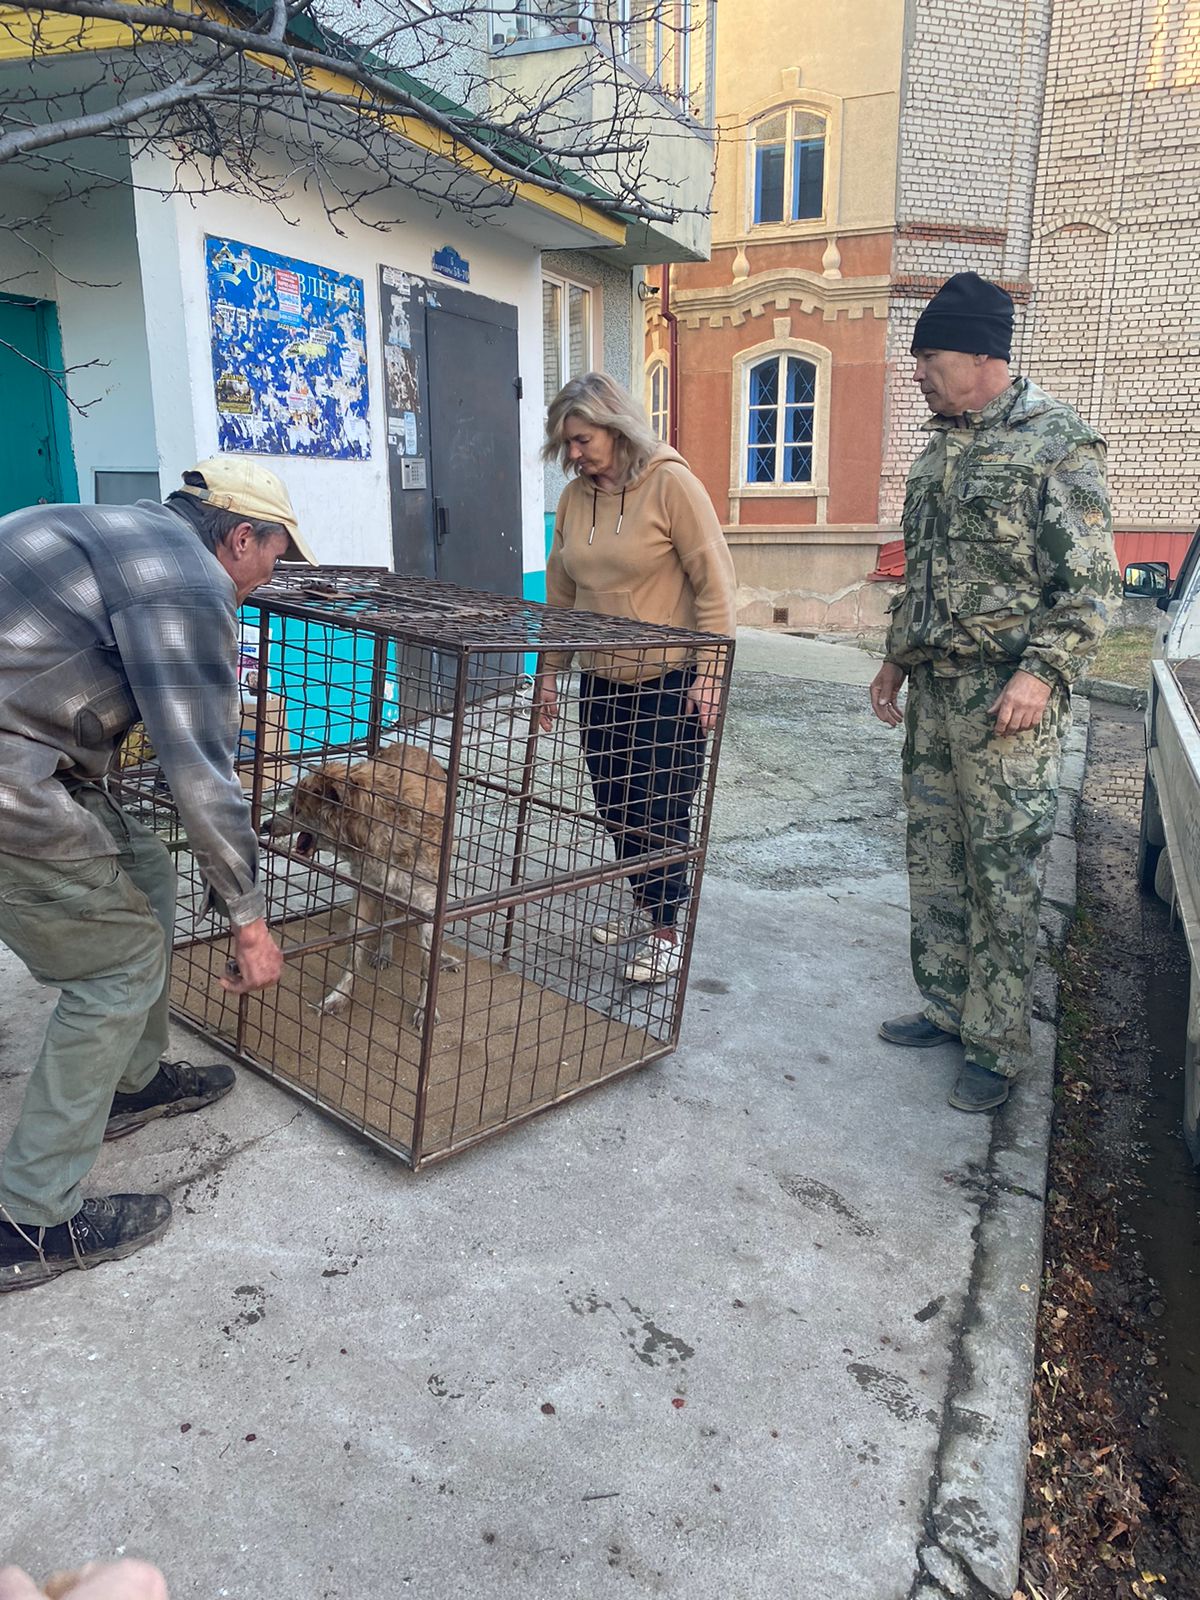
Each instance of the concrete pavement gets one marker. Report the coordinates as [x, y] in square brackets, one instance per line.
[753, 1324]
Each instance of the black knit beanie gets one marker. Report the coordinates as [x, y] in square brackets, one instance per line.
[967, 313]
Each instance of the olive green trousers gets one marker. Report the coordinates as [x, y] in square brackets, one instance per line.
[980, 811]
[100, 931]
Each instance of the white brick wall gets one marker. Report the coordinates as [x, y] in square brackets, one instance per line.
[1054, 145]
[1116, 252]
[973, 82]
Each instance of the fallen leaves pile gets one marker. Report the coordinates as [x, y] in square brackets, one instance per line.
[1104, 1519]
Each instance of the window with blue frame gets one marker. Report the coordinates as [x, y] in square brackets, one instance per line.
[789, 168]
[781, 406]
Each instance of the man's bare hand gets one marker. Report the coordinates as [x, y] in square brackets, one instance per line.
[1020, 704]
[885, 693]
[259, 959]
[98, 1580]
[545, 700]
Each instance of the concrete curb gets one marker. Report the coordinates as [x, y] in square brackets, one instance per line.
[974, 1521]
[1118, 694]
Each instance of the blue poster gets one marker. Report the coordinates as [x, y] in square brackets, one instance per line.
[289, 354]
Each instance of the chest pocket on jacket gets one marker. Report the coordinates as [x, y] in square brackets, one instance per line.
[995, 501]
[992, 527]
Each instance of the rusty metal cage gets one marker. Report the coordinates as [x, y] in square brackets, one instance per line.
[467, 902]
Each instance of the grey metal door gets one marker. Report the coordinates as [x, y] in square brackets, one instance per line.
[474, 439]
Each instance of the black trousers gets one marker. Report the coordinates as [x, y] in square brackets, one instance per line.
[644, 749]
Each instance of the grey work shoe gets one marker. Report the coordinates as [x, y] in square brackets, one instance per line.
[177, 1086]
[979, 1088]
[915, 1030]
[104, 1228]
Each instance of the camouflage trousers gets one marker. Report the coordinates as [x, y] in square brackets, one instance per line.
[980, 810]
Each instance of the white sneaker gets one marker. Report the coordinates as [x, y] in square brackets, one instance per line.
[654, 961]
[624, 929]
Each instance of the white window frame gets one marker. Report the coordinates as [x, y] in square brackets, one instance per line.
[592, 292]
[817, 488]
[523, 20]
[659, 372]
[779, 446]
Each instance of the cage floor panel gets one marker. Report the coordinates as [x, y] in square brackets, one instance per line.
[504, 1045]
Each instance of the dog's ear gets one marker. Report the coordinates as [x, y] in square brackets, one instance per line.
[325, 783]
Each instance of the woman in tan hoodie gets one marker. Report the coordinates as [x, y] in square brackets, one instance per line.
[635, 535]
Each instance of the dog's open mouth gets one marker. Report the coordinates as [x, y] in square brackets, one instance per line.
[305, 844]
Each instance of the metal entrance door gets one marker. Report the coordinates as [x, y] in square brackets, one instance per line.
[451, 394]
[475, 440]
[453, 438]
[28, 454]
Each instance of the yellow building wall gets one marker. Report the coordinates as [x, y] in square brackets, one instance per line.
[843, 54]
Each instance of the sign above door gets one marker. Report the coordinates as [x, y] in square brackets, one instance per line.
[450, 264]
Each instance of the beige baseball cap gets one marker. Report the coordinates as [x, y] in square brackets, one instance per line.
[240, 484]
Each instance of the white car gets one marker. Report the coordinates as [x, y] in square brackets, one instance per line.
[1168, 858]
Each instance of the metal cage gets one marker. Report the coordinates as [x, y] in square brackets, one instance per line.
[459, 894]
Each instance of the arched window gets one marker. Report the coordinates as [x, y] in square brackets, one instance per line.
[780, 412]
[789, 167]
[658, 399]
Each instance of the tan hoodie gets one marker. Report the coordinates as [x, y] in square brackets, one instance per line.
[669, 564]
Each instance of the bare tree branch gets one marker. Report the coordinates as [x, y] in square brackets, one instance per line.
[56, 378]
[203, 66]
[191, 88]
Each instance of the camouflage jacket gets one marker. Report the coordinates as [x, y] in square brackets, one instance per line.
[1008, 541]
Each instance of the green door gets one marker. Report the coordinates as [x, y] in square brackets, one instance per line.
[29, 454]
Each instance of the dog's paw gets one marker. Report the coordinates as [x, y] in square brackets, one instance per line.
[450, 962]
[333, 1004]
[418, 1018]
[379, 959]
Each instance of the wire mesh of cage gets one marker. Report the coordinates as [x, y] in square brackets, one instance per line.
[481, 915]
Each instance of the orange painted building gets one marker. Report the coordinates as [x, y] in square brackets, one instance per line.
[865, 152]
[768, 363]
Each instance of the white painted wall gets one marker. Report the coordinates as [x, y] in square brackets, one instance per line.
[344, 505]
[25, 269]
[99, 294]
[84, 259]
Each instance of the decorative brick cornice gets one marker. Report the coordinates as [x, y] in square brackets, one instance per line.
[770, 292]
[954, 233]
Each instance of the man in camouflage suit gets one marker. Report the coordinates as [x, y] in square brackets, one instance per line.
[1009, 569]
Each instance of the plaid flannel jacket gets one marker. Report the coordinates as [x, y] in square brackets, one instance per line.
[111, 615]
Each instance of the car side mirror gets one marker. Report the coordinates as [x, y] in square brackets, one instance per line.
[1148, 580]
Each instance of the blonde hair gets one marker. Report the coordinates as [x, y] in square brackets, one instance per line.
[600, 402]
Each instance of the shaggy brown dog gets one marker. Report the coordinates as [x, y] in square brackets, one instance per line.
[383, 818]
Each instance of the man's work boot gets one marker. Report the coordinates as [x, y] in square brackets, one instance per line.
[177, 1086]
[915, 1030]
[104, 1228]
[979, 1088]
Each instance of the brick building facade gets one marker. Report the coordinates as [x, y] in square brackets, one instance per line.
[974, 76]
[1051, 145]
[778, 343]
[1114, 327]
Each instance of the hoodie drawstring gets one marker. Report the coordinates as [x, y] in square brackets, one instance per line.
[620, 515]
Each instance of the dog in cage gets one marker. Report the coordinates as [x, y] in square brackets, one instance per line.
[383, 818]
